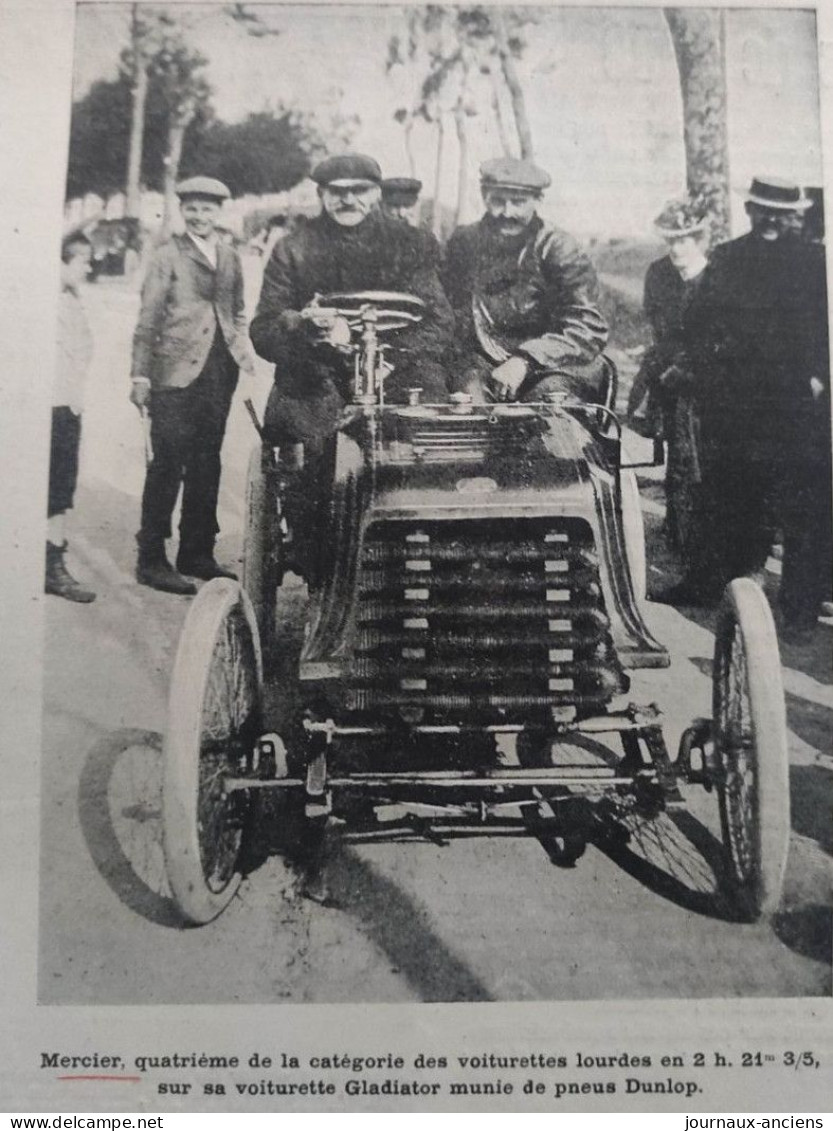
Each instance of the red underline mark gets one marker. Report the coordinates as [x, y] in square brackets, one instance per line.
[128, 1079]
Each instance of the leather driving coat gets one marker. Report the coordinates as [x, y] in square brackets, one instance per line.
[535, 296]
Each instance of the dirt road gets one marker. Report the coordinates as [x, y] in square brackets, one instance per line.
[477, 919]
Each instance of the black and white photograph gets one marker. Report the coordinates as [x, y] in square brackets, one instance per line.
[436, 577]
[450, 509]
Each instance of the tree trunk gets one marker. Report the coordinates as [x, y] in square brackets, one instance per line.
[505, 145]
[698, 37]
[436, 211]
[132, 202]
[176, 134]
[510, 73]
[463, 163]
[408, 127]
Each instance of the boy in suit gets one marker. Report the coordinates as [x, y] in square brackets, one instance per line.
[189, 345]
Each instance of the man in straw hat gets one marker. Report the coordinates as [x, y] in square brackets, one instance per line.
[189, 344]
[524, 293]
[664, 377]
[756, 333]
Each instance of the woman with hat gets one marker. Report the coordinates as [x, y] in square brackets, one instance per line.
[189, 344]
[664, 379]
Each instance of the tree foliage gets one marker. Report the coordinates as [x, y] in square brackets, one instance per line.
[263, 153]
[464, 59]
[99, 139]
[269, 151]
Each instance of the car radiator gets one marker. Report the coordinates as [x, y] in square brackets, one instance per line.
[482, 621]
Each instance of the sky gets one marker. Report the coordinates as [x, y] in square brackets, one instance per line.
[601, 88]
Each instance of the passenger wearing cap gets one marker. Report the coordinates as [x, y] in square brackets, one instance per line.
[400, 198]
[351, 246]
[524, 294]
[756, 334]
[189, 344]
[664, 377]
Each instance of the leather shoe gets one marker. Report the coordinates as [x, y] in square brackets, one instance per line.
[203, 566]
[162, 576]
[59, 581]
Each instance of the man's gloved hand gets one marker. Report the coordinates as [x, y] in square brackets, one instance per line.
[139, 391]
[507, 378]
[325, 327]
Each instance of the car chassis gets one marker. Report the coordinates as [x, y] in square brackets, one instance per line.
[478, 574]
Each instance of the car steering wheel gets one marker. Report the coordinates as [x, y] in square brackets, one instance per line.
[394, 310]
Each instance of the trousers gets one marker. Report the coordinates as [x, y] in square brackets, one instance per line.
[63, 459]
[187, 427]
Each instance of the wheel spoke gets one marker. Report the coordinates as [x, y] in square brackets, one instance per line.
[736, 748]
[229, 729]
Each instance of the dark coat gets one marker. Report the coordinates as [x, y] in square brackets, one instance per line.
[666, 296]
[185, 299]
[535, 296]
[322, 257]
[756, 333]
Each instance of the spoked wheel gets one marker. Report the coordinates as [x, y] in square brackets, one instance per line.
[214, 721]
[262, 568]
[634, 530]
[751, 762]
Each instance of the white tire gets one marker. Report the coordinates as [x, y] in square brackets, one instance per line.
[214, 722]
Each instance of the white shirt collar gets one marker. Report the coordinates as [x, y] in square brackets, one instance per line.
[207, 247]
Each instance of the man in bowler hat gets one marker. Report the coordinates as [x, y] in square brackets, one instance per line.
[756, 334]
[189, 344]
[524, 294]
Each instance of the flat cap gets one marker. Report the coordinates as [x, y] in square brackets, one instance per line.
[401, 188]
[773, 192]
[203, 186]
[507, 172]
[355, 167]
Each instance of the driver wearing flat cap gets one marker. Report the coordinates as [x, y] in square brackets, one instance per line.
[350, 246]
[525, 295]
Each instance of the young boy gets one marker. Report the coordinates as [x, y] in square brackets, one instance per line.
[75, 347]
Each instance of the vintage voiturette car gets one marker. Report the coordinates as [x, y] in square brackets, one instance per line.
[475, 606]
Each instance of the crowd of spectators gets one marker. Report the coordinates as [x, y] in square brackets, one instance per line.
[736, 379]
